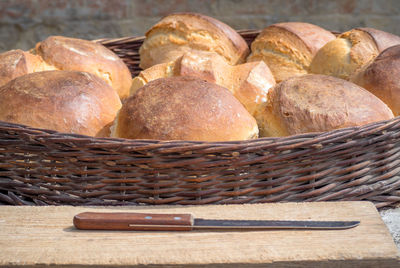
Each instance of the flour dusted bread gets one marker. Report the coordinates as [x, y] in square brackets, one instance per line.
[65, 101]
[73, 54]
[184, 108]
[178, 33]
[15, 63]
[288, 48]
[248, 82]
[382, 78]
[318, 103]
[351, 51]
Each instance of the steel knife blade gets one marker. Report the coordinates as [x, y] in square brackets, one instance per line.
[186, 222]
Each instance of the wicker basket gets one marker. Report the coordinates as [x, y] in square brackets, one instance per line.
[43, 167]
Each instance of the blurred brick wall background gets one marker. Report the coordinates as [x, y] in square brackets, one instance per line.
[25, 22]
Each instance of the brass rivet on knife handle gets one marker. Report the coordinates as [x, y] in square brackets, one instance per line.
[133, 221]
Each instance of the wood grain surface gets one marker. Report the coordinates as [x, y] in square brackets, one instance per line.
[41, 236]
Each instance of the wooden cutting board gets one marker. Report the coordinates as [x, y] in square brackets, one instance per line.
[45, 236]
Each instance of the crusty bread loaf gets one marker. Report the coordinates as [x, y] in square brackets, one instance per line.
[350, 51]
[15, 63]
[178, 33]
[248, 82]
[184, 108]
[81, 55]
[288, 48]
[317, 103]
[63, 53]
[382, 78]
[65, 101]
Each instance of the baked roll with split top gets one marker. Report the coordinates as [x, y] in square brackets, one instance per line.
[15, 63]
[351, 51]
[69, 54]
[178, 33]
[289, 47]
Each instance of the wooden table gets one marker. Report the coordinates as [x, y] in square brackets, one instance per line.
[45, 236]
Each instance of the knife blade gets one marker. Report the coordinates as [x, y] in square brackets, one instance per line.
[186, 222]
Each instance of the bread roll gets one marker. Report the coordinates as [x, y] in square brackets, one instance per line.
[184, 108]
[382, 78]
[15, 63]
[182, 32]
[248, 82]
[65, 101]
[350, 51]
[81, 55]
[288, 48]
[317, 103]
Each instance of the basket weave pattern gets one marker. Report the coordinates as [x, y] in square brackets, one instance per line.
[43, 167]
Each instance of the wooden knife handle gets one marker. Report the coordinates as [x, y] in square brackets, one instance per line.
[133, 221]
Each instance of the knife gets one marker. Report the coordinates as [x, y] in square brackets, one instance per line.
[186, 222]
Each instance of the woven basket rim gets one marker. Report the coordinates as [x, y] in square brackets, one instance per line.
[314, 136]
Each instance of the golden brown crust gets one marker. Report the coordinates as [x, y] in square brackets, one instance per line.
[81, 55]
[15, 63]
[288, 48]
[381, 78]
[318, 103]
[65, 101]
[184, 108]
[161, 70]
[382, 39]
[313, 36]
[12, 65]
[206, 65]
[351, 51]
[178, 33]
[248, 82]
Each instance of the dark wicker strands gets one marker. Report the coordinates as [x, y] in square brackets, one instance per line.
[43, 167]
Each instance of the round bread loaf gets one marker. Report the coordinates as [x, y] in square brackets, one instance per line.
[73, 54]
[65, 101]
[318, 103]
[382, 78]
[15, 63]
[178, 33]
[184, 108]
[350, 51]
[288, 48]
